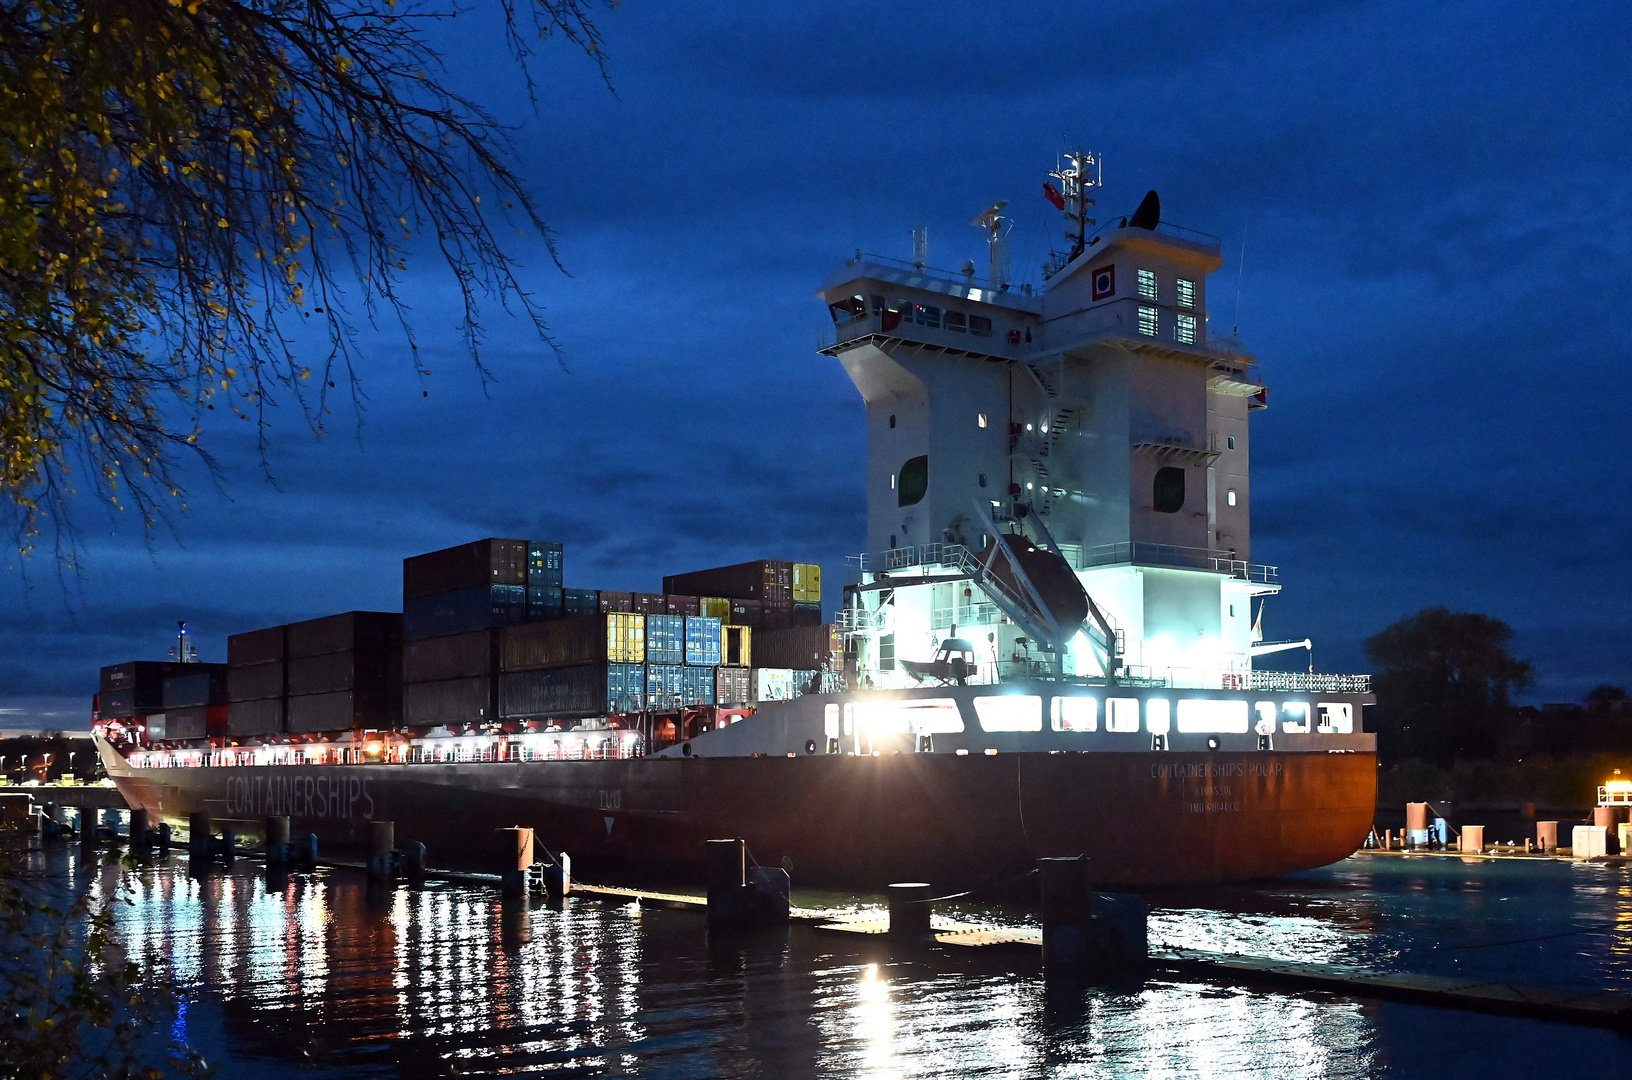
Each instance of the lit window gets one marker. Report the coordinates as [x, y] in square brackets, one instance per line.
[1075, 713]
[1266, 717]
[1295, 717]
[1208, 715]
[981, 419]
[1122, 714]
[1232, 442]
[921, 716]
[1336, 718]
[1167, 491]
[1158, 716]
[886, 644]
[1184, 293]
[1231, 497]
[1010, 712]
[1147, 321]
[927, 315]
[1147, 284]
[1184, 328]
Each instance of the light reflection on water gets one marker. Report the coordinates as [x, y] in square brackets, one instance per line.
[321, 974]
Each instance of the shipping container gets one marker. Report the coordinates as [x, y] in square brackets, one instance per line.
[458, 656]
[665, 686]
[703, 641]
[364, 631]
[807, 614]
[121, 704]
[468, 566]
[807, 583]
[190, 722]
[665, 639]
[465, 611]
[644, 603]
[736, 646]
[450, 701]
[699, 685]
[145, 677]
[681, 605]
[775, 616]
[618, 637]
[732, 685]
[262, 717]
[763, 579]
[332, 672]
[572, 692]
[255, 683]
[543, 603]
[744, 613]
[256, 647]
[612, 600]
[205, 685]
[343, 710]
[544, 564]
[715, 607]
[800, 647]
[580, 602]
[773, 684]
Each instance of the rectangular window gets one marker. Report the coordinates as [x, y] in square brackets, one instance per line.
[914, 716]
[1295, 717]
[1336, 718]
[954, 321]
[1232, 497]
[1266, 717]
[980, 326]
[1158, 716]
[1075, 713]
[927, 315]
[1231, 441]
[1147, 284]
[1010, 712]
[886, 652]
[1184, 293]
[1122, 714]
[1210, 716]
[1184, 329]
[1147, 321]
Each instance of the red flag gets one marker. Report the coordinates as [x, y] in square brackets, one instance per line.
[1052, 194]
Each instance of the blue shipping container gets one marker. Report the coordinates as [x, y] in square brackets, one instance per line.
[703, 642]
[665, 639]
[463, 611]
[544, 562]
[665, 685]
[625, 688]
[543, 603]
[580, 602]
[699, 685]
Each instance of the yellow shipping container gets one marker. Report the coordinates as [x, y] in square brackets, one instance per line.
[736, 646]
[807, 583]
[714, 607]
[625, 638]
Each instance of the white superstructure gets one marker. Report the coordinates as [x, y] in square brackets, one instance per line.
[1102, 405]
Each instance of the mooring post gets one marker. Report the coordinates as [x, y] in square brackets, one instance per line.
[1547, 837]
[1473, 839]
[382, 838]
[277, 841]
[725, 873]
[1416, 825]
[228, 845]
[910, 909]
[515, 855]
[558, 876]
[1068, 913]
[198, 835]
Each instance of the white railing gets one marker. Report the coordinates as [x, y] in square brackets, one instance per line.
[1219, 562]
[1311, 682]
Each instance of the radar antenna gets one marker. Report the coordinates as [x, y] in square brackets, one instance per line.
[1079, 174]
[997, 241]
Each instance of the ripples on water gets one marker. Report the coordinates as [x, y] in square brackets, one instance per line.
[323, 976]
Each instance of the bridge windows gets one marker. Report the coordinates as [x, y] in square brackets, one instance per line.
[1158, 716]
[1074, 713]
[1295, 717]
[914, 482]
[1184, 292]
[1122, 714]
[955, 321]
[1147, 320]
[926, 315]
[1184, 329]
[1212, 716]
[1336, 718]
[1147, 284]
[1167, 491]
[848, 310]
[1010, 712]
[980, 326]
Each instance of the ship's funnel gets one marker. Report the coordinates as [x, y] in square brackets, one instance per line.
[1149, 213]
[1055, 594]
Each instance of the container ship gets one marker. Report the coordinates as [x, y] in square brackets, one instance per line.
[1047, 649]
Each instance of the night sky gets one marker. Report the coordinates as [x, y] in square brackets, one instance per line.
[1433, 201]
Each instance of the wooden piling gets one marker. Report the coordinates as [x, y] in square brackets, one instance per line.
[382, 838]
[1416, 824]
[515, 855]
[910, 909]
[199, 835]
[725, 873]
[277, 841]
[1067, 914]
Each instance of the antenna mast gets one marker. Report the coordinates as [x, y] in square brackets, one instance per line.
[1079, 174]
[997, 231]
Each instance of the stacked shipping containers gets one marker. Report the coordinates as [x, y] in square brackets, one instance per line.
[133, 692]
[344, 672]
[195, 705]
[255, 670]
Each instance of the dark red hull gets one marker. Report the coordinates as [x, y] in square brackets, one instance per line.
[955, 821]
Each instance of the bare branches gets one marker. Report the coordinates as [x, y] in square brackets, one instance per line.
[186, 184]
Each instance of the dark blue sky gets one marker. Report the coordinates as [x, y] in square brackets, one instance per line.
[1434, 202]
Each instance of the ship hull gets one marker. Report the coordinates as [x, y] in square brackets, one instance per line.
[957, 821]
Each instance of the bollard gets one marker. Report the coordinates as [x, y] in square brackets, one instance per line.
[910, 909]
[724, 874]
[1603, 817]
[1416, 824]
[557, 876]
[198, 835]
[515, 855]
[1547, 837]
[1473, 839]
[139, 827]
[277, 841]
[382, 837]
[1067, 913]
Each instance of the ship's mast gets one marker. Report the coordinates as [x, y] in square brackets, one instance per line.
[1079, 174]
[997, 230]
